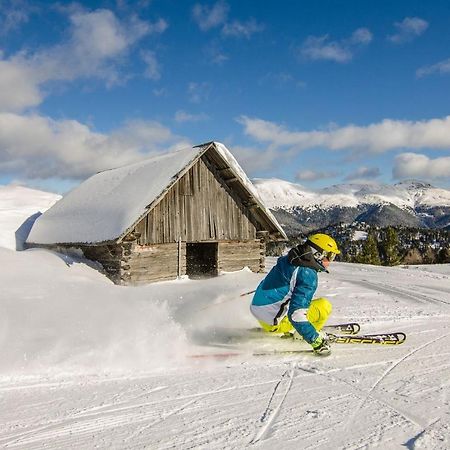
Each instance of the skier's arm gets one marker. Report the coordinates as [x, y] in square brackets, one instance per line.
[300, 300]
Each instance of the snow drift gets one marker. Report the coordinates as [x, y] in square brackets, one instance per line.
[17, 205]
[59, 314]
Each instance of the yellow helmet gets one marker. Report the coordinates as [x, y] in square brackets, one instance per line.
[325, 244]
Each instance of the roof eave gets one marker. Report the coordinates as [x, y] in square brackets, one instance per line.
[261, 208]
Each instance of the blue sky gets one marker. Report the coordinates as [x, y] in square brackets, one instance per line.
[315, 92]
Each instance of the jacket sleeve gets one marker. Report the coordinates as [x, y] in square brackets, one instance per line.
[302, 294]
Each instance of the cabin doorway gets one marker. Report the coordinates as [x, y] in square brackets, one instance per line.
[202, 259]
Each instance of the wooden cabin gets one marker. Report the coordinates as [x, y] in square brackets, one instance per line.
[192, 212]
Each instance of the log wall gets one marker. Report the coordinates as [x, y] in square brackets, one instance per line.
[111, 257]
[199, 207]
[235, 255]
[130, 263]
[147, 264]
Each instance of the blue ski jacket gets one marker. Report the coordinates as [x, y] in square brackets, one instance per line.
[287, 288]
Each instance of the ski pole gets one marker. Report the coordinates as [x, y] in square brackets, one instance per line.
[247, 293]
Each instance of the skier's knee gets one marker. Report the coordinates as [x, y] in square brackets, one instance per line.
[323, 305]
[319, 311]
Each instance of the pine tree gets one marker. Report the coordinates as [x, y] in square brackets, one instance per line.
[444, 255]
[369, 253]
[390, 246]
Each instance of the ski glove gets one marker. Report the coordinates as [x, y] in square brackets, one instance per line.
[321, 345]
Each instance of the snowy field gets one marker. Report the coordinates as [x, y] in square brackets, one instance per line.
[87, 364]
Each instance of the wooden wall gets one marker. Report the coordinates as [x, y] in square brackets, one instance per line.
[129, 263]
[111, 257]
[155, 263]
[199, 207]
[237, 255]
[132, 264]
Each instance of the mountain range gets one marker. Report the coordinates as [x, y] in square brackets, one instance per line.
[408, 203]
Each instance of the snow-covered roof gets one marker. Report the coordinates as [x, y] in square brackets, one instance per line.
[108, 205]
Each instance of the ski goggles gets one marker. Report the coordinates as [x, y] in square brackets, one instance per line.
[322, 254]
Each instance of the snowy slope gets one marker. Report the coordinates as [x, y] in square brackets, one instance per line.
[87, 364]
[411, 194]
[17, 204]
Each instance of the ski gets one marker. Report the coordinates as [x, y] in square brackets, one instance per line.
[347, 329]
[380, 338]
[340, 328]
[343, 328]
[283, 352]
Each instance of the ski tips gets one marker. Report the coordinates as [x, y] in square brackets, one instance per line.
[381, 338]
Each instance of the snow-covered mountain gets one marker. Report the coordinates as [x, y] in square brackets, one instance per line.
[409, 203]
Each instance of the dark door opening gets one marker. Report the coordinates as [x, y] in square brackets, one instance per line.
[201, 259]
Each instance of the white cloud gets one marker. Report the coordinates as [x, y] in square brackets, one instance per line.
[37, 147]
[153, 69]
[25, 93]
[97, 44]
[413, 165]
[242, 29]
[279, 79]
[183, 116]
[210, 17]
[158, 27]
[198, 92]
[313, 175]
[215, 55]
[442, 68]
[160, 92]
[377, 138]
[361, 36]
[254, 159]
[13, 14]
[98, 39]
[363, 173]
[408, 29]
[317, 48]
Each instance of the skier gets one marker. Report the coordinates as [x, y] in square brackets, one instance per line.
[283, 301]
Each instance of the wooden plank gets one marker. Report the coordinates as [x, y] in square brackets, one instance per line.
[234, 255]
[153, 263]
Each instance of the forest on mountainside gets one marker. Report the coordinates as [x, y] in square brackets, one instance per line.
[369, 244]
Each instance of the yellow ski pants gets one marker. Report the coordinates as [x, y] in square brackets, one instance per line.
[318, 312]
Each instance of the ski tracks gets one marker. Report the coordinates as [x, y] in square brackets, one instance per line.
[174, 411]
[369, 393]
[270, 414]
[106, 415]
[401, 292]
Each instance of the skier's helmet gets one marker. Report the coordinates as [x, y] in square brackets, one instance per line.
[323, 246]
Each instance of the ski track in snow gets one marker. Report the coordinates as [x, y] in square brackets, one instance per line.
[402, 293]
[415, 421]
[269, 416]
